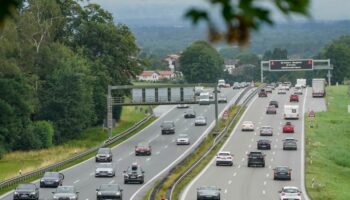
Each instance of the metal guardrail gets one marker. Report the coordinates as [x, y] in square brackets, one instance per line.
[216, 141]
[56, 166]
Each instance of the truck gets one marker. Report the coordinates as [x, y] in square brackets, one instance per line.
[318, 87]
[221, 83]
[301, 82]
[291, 112]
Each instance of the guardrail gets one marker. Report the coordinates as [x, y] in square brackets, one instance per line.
[56, 166]
[216, 141]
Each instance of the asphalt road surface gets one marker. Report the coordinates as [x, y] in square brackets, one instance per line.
[241, 182]
[165, 153]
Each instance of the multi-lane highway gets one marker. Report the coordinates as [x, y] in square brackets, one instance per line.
[241, 182]
[165, 153]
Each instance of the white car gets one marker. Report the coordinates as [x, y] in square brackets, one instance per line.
[183, 106]
[248, 126]
[224, 158]
[298, 91]
[104, 170]
[290, 192]
[200, 121]
[183, 140]
[281, 91]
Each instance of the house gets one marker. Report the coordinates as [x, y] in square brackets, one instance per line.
[148, 76]
[230, 65]
[172, 61]
[166, 74]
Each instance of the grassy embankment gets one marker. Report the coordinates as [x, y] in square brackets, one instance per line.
[30, 160]
[328, 147]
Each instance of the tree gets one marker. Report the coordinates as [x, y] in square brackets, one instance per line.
[201, 63]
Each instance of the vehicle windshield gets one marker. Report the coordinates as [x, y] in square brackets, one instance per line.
[103, 151]
[26, 187]
[183, 136]
[65, 189]
[167, 124]
[266, 128]
[108, 187]
[105, 165]
[224, 154]
[290, 190]
[201, 117]
[51, 175]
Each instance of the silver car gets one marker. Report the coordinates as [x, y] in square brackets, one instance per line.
[65, 192]
[266, 131]
[104, 170]
[200, 121]
[183, 140]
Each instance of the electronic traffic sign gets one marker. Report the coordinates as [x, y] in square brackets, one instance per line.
[291, 65]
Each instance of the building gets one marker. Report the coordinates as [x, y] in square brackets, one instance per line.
[172, 61]
[230, 65]
[148, 76]
[166, 74]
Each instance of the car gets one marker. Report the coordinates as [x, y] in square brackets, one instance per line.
[167, 127]
[109, 191]
[222, 99]
[183, 139]
[293, 98]
[104, 170]
[271, 110]
[26, 191]
[256, 159]
[290, 144]
[224, 158]
[273, 103]
[247, 126]
[200, 121]
[281, 91]
[298, 91]
[198, 90]
[65, 192]
[282, 173]
[208, 192]
[143, 150]
[211, 96]
[290, 192]
[134, 174]
[104, 155]
[268, 89]
[262, 93]
[190, 113]
[51, 179]
[180, 106]
[235, 85]
[266, 131]
[288, 128]
[264, 144]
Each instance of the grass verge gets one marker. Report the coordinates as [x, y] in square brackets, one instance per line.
[37, 158]
[328, 147]
[199, 152]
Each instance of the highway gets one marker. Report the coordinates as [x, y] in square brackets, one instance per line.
[165, 153]
[241, 182]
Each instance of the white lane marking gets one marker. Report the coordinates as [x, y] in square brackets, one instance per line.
[303, 149]
[148, 159]
[263, 192]
[265, 182]
[276, 139]
[225, 191]
[267, 175]
[186, 129]
[271, 159]
[270, 166]
[92, 173]
[177, 119]
[192, 123]
[239, 166]
[249, 146]
[111, 182]
[234, 174]
[254, 133]
[166, 146]
[173, 140]
[243, 159]
[77, 181]
[252, 139]
[120, 159]
[229, 182]
[275, 146]
[280, 123]
[158, 152]
[273, 153]
[259, 123]
[131, 153]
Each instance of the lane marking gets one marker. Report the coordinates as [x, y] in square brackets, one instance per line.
[166, 146]
[92, 173]
[271, 159]
[263, 192]
[273, 153]
[131, 153]
[270, 166]
[243, 159]
[186, 129]
[239, 166]
[111, 182]
[148, 159]
[158, 152]
[265, 182]
[267, 175]
[234, 174]
[77, 181]
[275, 146]
[229, 182]
[225, 191]
[120, 159]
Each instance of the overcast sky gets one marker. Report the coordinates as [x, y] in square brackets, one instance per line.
[155, 12]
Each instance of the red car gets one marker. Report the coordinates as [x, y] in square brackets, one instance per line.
[294, 98]
[141, 150]
[288, 128]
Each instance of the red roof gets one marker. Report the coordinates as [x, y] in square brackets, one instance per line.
[166, 73]
[147, 73]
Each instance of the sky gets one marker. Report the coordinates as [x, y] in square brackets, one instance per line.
[165, 12]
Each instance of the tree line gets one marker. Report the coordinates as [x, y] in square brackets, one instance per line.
[56, 60]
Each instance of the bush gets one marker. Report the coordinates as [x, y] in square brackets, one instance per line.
[44, 131]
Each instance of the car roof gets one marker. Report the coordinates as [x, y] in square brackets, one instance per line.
[265, 127]
[224, 152]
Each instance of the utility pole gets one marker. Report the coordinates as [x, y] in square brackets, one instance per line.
[261, 72]
[216, 107]
[329, 75]
[109, 112]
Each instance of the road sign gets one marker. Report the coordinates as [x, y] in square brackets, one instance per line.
[291, 65]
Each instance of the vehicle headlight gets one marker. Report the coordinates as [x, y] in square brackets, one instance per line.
[126, 176]
[117, 193]
[32, 193]
[139, 175]
[55, 197]
[99, 193]
[41, 180]
[15, 193]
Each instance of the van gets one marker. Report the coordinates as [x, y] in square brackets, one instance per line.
[221, 83]
[204, 98]
[291, 112]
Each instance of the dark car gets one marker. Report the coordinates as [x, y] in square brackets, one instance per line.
[167, 127]
[109, 191]
[51, 179]
[26, 191]
[264, 144]
[273, 103]
[271, 110]
[143, 150]
[134, 174]
[262, 93]
[65, 193]
[104, 155]
[190, 114]
[208, 192]
[256, 159]
[282, 173]
[290, 144]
